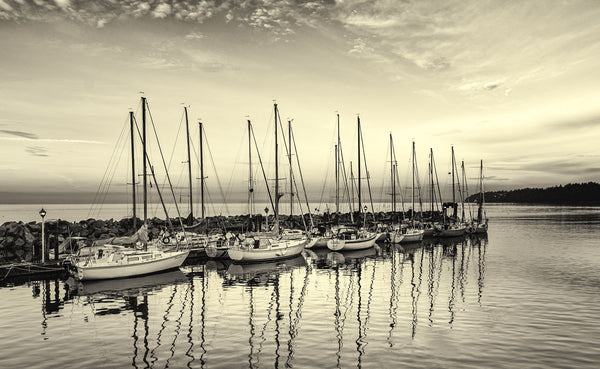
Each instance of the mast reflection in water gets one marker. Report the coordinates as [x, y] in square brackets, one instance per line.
[527, 297]
[321, 309]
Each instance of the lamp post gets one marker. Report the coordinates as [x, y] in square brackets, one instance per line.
[43, 214]
[267, 218]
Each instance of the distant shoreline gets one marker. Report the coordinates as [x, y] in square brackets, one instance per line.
[574, 194]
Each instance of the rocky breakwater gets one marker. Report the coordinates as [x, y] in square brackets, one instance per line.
[23, 241]
[17, 241]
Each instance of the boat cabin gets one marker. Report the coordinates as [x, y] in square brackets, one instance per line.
[347, 234]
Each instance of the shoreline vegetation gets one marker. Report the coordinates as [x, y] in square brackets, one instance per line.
[569, 194]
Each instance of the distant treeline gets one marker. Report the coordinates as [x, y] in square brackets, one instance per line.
[570, 194]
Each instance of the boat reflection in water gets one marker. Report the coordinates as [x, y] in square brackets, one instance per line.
[245, 272]
[321, 309]
[128, 286]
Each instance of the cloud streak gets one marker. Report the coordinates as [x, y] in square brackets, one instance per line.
[37, 151]
[28, 135]
[52, 140]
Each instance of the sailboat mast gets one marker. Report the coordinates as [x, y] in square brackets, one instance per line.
[413, 185]
[453, 190]
[290, 161]
[337, 167]
[481, 194]
[481, 182]
[464, 188]
[276, 210]
[392, 179]
[431, 177]
[351, 185]
[131, 126]
[337, 182]
[145, 171]
[250, 179]
[359, 192]
[189, 161]
[201, 133]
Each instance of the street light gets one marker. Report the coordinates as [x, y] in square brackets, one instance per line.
[267, 217]
[43, 214]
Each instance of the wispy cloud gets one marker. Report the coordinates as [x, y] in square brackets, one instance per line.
[450, 132]
[28, 135]
[494, 178]
[360, 47]
[592, 122]
[194, 35]
[480, 86]
[51, 140]
[37, 150]
[478, 46]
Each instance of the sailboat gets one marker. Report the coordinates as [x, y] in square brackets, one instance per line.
[481, 224]
[268, 245]
[429, 225]
[386, 231]
[200, 245]
[108, 259]
[451, 227]
[340, 173]
[412, 233]
[351, 238]
[395, 234]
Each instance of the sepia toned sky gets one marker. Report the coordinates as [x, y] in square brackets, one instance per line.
[515, 83]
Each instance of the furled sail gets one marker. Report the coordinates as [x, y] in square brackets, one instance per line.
[141, 235]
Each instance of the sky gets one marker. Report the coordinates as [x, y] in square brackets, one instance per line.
[512, 83]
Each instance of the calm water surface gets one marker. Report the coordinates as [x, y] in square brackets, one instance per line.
[526, 296]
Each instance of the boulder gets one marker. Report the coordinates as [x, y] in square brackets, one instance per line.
[28, 236]
[9, 241]
[19, 243]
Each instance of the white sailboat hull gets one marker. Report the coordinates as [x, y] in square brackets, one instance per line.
[479, 228]
[396, 237]
[216, 252]
[451, 232]
[321, 242]
[359, 244]
[429, 232]
[170, 260]
[482, 228]
[415, 235]
[282, 250]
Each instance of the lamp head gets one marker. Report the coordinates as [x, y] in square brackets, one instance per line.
[42, 213]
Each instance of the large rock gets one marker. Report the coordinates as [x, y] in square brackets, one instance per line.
[19, 243]
[28, 236]
[15, 228]
[9, 241]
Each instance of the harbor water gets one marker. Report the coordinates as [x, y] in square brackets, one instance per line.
[527, 295]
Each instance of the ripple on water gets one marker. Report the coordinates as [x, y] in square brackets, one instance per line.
[526, 296]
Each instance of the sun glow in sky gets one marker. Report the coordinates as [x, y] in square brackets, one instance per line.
[514, 83]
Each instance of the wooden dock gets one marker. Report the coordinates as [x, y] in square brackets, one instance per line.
[23, 269]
